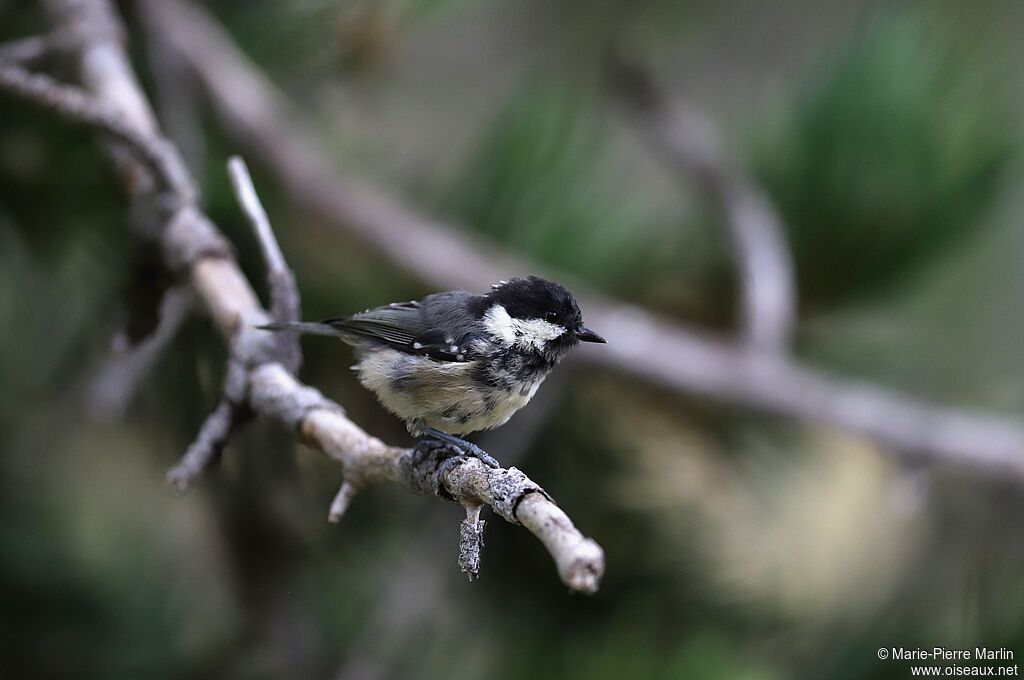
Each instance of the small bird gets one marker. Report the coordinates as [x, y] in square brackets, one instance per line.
[457, 362]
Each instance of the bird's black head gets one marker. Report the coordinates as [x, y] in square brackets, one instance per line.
[541, 315]
[536, 298]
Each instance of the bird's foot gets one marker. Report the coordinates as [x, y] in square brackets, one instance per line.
[458, 446]
[434, 460]
[430, 463]
[435, 455]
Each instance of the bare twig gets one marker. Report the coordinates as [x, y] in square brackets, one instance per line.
[253, 209]
[285, 303]
[688, 141]
[76, 105]
[339, 506]
[124, 370]
[231, 411]
[257, 381]
[205, 448]
[640, 343]
[26, 50]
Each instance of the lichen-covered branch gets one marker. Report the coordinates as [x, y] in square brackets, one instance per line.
[471, 542]
[367, 460]
[259, 378]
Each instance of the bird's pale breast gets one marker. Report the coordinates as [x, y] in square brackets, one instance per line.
[440, 394]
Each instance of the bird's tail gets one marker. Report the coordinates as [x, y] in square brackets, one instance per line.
[303, 327]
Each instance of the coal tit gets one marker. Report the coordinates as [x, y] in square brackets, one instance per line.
[456, 362]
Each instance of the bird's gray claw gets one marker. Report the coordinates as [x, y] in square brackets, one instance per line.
[462, 446]
[485, 458]
[446, 466]
[474, 451]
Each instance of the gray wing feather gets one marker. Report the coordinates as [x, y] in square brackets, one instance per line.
[399, 323]
[429, 327]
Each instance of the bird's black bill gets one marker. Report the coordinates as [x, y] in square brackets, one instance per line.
[587, 335]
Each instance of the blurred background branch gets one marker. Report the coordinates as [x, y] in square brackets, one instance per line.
[642, 344]
[127, 366]
[690, 144]
[26, 50]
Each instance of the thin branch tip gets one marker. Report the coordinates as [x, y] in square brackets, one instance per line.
[585, 579]
[342, 500]
[252, 207]
[179, 480]
[285, 300]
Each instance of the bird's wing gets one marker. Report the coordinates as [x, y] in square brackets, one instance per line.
[438, 326]
[395, 324]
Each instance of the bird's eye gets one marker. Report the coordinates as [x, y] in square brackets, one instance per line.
[551, 317]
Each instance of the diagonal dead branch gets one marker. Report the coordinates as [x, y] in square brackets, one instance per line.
[230, 413]
[642, 344]
[76, 105]
[205, 448]
[256, 380]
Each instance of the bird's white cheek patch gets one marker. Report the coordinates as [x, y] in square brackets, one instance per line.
[527, 333]
[499, 324]
[535, 332]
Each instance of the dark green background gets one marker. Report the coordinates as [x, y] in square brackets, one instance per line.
[738, 546]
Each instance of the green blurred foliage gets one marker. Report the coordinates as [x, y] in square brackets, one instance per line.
[50, 321]
[542, 182]
[891, 153]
